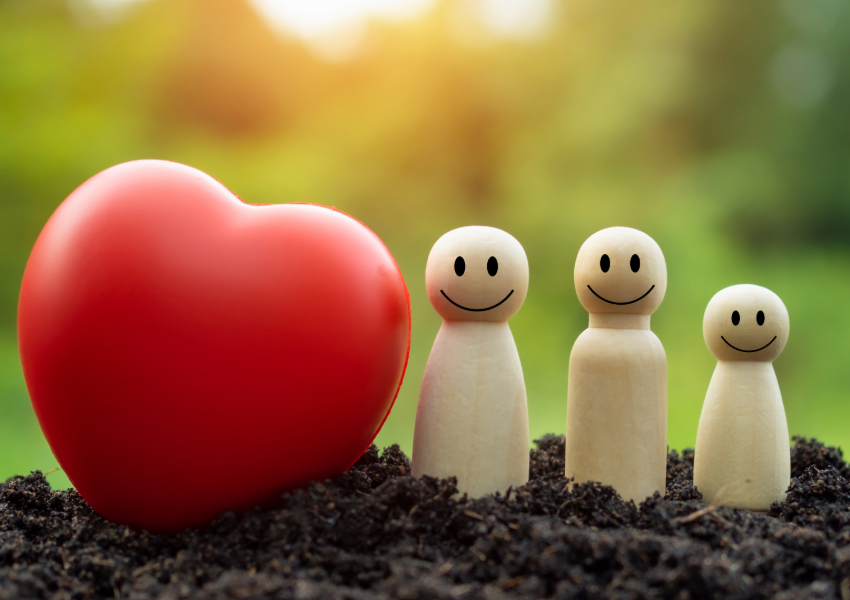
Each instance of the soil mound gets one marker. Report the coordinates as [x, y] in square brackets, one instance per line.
[376, 532]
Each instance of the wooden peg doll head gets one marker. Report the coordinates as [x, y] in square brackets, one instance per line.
[746, 322]
[477, 274]
[620, 270]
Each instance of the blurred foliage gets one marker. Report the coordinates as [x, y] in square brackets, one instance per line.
[721, 129]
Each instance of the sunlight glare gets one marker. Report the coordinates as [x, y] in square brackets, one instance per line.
[336, 30]
[317, 18]
[515, 18]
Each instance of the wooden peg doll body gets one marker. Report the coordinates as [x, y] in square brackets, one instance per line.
[472, 416]
[742, 456]
[617, 410]
[617, 395]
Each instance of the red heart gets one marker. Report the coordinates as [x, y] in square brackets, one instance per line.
[189, 354]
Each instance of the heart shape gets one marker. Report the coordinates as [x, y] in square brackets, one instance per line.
[188, 354]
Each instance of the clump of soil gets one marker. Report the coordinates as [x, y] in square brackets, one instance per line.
[811, 453]
[377, 532]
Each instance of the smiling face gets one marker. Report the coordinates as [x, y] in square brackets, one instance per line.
[745, 322]
[477, 274]
[620, 270]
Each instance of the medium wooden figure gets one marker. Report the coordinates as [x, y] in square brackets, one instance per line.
[617, 395]
[742, 456]
[472, 418]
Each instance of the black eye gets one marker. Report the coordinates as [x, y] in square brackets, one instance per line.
[460, 266]
[635, 263]
[736, 318]
[760, 318]
[492, 266]
[604, 263]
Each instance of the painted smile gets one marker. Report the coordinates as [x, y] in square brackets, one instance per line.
[739, 350]
[477, 309]
[621, 303]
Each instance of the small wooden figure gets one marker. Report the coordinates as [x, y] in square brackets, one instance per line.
[472, 418]
[617, 395]
[742, 456]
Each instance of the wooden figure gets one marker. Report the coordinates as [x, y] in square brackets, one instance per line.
[472, 418]
[742, 455]
[617, 395]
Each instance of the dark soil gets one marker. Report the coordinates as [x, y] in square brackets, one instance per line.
[376, 532]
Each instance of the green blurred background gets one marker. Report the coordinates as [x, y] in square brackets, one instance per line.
[722, 129]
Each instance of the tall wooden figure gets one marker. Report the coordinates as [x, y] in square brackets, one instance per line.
[472, 418]
[743, 456]
[617, 396]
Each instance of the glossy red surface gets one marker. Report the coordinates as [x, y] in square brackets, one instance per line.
[188, 354]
